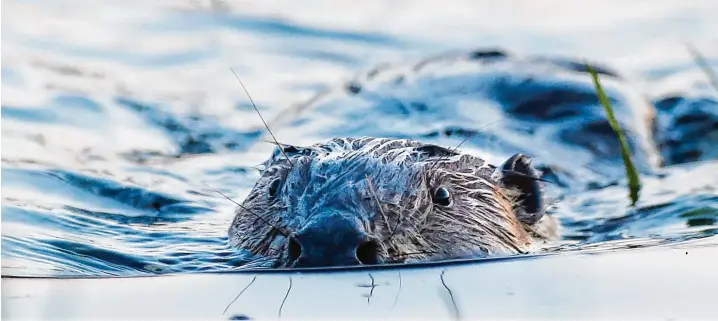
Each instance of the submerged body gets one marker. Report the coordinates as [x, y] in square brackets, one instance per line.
[368, 200]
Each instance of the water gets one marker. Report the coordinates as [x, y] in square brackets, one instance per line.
[116, 115]
[627, 284]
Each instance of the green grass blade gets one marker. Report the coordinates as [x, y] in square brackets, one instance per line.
[634, 183]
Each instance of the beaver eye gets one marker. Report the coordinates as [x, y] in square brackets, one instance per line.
[441, 196]
[273, 188]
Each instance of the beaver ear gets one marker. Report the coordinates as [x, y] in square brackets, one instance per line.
[517, 175]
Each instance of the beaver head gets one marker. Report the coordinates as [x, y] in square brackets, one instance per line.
[358, 201]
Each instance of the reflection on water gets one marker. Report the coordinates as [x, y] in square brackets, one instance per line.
[115, 115]
[628, 283]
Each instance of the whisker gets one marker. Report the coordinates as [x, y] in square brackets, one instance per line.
[457, 316]
[381, 208]
[280, 144]
[463, 141]
[402, 257]
[371, 292]
[286, 295]
[282, 231]
[238, 295]
[273, 142]
[396, 297]
[398, 221]
[414, 253]
[262, 262]
[260, 115]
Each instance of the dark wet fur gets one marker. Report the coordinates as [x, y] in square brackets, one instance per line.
[330, 179]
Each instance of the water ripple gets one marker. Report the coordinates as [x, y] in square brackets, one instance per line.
[114, 119]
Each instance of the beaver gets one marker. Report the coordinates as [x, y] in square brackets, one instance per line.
[394, 199]
[360, 201]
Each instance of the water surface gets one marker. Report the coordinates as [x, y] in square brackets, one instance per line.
[116, 115]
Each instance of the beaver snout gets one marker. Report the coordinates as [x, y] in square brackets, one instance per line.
[333, 239]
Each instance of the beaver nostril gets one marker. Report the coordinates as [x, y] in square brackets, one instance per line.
[294, 249]
[368, 252]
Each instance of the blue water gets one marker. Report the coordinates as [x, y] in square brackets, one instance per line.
[116, 115]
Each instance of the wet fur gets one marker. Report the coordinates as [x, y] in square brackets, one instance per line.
[356, 175]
